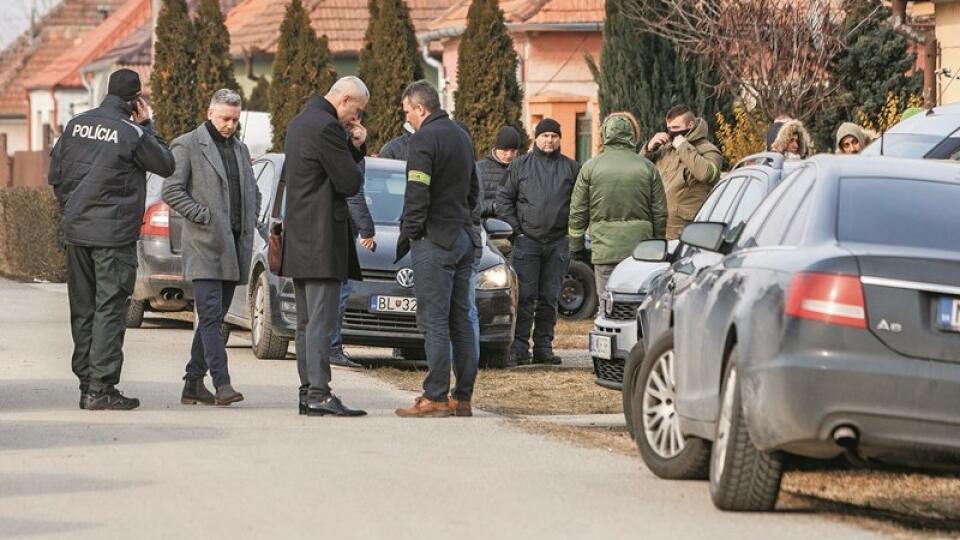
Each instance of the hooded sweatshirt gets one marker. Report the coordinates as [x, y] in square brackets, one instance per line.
[618, 197]
[783, 141]
[849, 129]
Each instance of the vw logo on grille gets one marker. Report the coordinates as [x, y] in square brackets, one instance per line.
[405, 277]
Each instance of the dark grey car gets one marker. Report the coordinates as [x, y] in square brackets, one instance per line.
[829, 325]
[381, 310]
[160, 285]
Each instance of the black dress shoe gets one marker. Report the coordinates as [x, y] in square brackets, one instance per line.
[549, 359]
[340, 358]
[331, 405]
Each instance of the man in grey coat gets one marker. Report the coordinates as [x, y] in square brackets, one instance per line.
[213, 187]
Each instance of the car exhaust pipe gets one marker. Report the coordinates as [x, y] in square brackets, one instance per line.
[170, 295]
[847, 438]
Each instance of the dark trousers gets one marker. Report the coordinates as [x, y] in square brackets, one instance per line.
[442, 282]
[212, 299]
[99, 283]
[540, 269]
[318, 303]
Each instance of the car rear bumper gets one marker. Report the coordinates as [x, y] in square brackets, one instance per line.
[159, 271]
[898, 406]
[609, 371]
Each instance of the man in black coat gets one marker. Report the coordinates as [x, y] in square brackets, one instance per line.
[492, 170]
[396, 148]
[437, 226]
[319, 250]
[98, 173]
[535, 201]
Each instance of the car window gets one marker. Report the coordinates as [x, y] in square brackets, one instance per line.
[752, 195]
[725, 203]
[910, 145]
[885, 211]
[711, 201]
[265, 183]
[774, 228]
[384, 190]
[750, 229]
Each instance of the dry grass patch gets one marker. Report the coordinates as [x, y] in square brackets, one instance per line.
[611, 439]
[526, 390]
[572, 334]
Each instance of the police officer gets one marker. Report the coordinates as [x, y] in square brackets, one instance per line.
[437, 226]
[98, 173]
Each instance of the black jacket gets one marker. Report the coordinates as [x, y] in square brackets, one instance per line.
[320, 172]
[360, 216]
[98, 172]
[396, 148]
[492, 173]
[535, 198]
[442, 186]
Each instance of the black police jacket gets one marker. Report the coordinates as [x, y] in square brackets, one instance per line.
[98, 172]
[442, 187]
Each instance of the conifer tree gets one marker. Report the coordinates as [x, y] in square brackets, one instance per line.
[367, 63]
[642, 73]
[259, 97]
[391, 64]
[302, 67]
[172, 83]
[214, 63]
[488, 95]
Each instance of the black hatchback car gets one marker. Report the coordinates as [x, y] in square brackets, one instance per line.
[381, 310]
[828, 325]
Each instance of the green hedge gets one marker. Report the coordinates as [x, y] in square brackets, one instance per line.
[30, 235]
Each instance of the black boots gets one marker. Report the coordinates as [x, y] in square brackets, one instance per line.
[227, 395]
[109, 399]
[195, 392]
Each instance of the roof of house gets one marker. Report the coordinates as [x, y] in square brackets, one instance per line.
[59, 30]
[255, 24]
[64, 71]
[529, 12]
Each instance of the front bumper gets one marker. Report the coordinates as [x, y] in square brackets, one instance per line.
[902, 408]
[624, 335]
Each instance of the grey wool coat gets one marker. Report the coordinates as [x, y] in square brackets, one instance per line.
[199, 192]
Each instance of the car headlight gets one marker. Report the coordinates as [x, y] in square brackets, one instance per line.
[495, 277]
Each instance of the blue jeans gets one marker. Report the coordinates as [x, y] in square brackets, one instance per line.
[444, 286]
[346, 288]
[540, 268]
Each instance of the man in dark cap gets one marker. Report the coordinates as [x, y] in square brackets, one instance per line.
[535, 201]
[98, 172]
[492, 169]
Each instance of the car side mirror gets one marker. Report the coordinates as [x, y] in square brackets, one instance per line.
[704, 235]
[497, 229]
[652, 250]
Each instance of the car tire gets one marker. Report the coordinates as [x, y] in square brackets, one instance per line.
[578, 294]
[267, 345]
[494, 358]
[742, 478]
[135, 311]
[654, 422]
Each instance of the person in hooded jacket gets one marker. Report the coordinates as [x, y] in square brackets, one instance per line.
[618, 197]
[535, 201]
[793, 141]
[98, 172]
[689, 165]
[492, 170]
[397, 147]
[851, 139]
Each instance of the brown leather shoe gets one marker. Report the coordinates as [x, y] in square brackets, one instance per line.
[424, 407]
[460, 408]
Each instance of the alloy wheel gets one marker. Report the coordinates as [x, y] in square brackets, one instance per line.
[660, 421]
[724, 426]
[259, 303]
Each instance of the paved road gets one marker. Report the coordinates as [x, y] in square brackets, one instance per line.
[258, 470]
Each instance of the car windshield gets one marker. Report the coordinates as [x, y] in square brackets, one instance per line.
[909, 145]
[384, 193]
[886, 211]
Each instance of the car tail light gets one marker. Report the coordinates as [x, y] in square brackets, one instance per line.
[829, 298]
[156, 221]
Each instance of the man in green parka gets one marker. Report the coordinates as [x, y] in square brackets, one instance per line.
[618, 198]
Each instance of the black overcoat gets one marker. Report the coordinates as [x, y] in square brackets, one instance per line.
[320, 172]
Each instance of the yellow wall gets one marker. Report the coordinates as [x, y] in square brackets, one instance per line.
[948, 36]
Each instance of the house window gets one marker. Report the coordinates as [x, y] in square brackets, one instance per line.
[584, 140]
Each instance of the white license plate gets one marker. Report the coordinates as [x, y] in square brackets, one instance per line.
[393, 304]
[601, 346]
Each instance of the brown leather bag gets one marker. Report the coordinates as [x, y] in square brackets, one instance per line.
[276, 233]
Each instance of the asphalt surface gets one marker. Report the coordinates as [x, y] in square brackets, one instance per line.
[258, 470]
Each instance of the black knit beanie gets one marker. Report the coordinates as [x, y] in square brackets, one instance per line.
[125, 84]
[507, 139]
[548, 125]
